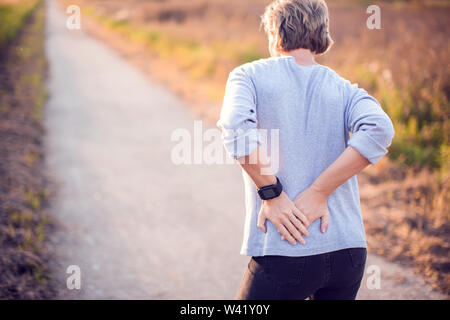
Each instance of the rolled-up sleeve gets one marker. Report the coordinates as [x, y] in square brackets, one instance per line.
[238, 121]
[372, 129]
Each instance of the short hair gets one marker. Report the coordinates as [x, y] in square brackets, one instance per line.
[299, 24]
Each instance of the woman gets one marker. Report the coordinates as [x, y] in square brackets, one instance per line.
[303, 227]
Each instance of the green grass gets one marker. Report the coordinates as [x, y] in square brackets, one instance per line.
[198, 59]
[418, 114]
[13, 17]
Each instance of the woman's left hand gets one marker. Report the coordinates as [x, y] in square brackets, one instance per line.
[313, 204]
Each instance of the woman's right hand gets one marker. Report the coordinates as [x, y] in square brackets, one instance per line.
[290, 222]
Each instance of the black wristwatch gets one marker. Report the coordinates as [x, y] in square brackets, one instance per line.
[270, 191]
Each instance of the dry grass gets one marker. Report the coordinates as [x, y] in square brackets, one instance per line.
[23, 222]
[406, 214]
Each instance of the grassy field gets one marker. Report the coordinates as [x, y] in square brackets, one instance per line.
[23, 188]
[405, 65]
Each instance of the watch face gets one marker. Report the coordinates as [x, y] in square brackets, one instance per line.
[269, 193]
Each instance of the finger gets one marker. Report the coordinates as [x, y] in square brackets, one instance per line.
[262, 221]
[324, 221]
[292, 229]
[301, 216]
[286, 234]
[299, 225]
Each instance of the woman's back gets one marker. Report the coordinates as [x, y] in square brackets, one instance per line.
[308, 112]
[307, 104]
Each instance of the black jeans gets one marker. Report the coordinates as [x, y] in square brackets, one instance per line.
[334, 275]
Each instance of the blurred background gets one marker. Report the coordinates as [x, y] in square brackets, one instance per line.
[190, 47]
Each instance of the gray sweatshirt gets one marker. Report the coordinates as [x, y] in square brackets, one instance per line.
[302, 116]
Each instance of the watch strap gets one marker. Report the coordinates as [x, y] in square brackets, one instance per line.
[271, 191]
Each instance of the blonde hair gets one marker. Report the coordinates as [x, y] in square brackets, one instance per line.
[299, 24]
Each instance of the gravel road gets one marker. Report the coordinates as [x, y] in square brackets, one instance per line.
[137, 225]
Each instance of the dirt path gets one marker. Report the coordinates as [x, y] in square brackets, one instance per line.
[137, 225]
